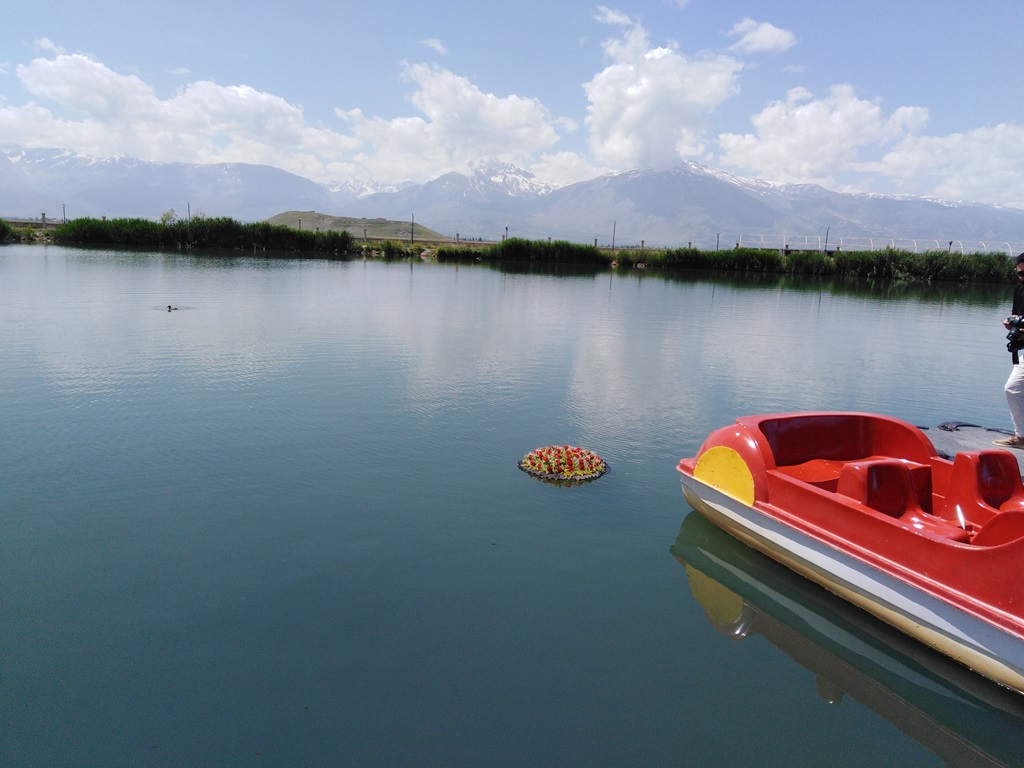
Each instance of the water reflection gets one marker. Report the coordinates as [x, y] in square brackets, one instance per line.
[971, 294]
[958, 715]
[975, 294]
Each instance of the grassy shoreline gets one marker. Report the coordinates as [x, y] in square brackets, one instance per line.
[890, 264]
[227, 234]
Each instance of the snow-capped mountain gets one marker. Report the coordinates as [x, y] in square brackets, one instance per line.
[501, 181]
[510, 180]
[36, 181]
[691, 204]
[480, 204]
[686, 204]
[356, 188]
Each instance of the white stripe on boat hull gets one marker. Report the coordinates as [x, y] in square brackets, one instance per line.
[981, 646]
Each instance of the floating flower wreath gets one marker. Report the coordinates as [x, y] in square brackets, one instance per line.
[563, 463]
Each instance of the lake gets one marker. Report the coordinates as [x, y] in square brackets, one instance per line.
[283, 523]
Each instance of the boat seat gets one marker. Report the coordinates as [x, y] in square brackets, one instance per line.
[823, 473]
[1004, 527]
[981, 483]
[885, 485]
[888, 486]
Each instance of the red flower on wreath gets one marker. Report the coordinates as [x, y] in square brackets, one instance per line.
[563, 462]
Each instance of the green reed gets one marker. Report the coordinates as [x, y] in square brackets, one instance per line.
[203, 232]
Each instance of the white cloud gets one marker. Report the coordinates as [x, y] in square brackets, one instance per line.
[85, 86]
[563, 168]
[650, 106]
[803, 139]
[845, 142]
[461, 128]
[102, 112]
[435, 45]
[760, 37]
[45, 45]
[607, 15]
[981, 165]
[113, 114]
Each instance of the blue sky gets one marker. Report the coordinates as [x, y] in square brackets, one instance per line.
[915, 97]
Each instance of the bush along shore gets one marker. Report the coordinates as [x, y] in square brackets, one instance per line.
[202, 232]
[225, 233]
[890, 264]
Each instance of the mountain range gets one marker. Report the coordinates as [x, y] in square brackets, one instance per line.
[689, 203]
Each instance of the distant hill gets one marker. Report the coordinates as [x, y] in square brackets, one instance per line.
[371, 229]
[689, 203]
[694, 204]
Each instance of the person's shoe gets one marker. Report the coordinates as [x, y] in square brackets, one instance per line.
[1011, 441]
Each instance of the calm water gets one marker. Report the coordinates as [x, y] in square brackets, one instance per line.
[283, 525]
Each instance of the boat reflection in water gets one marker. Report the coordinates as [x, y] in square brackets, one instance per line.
[963, 718]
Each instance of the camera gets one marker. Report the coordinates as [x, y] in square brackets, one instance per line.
[1013, 340]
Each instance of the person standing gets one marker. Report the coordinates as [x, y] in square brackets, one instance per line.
[1014, 388]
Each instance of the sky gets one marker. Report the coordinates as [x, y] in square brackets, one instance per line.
[918, 97]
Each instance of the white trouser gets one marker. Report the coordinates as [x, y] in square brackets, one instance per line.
[1015, 398]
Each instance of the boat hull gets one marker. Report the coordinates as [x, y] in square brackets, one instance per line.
[974, 642]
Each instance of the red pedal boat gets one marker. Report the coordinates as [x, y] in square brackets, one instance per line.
[865, 506]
